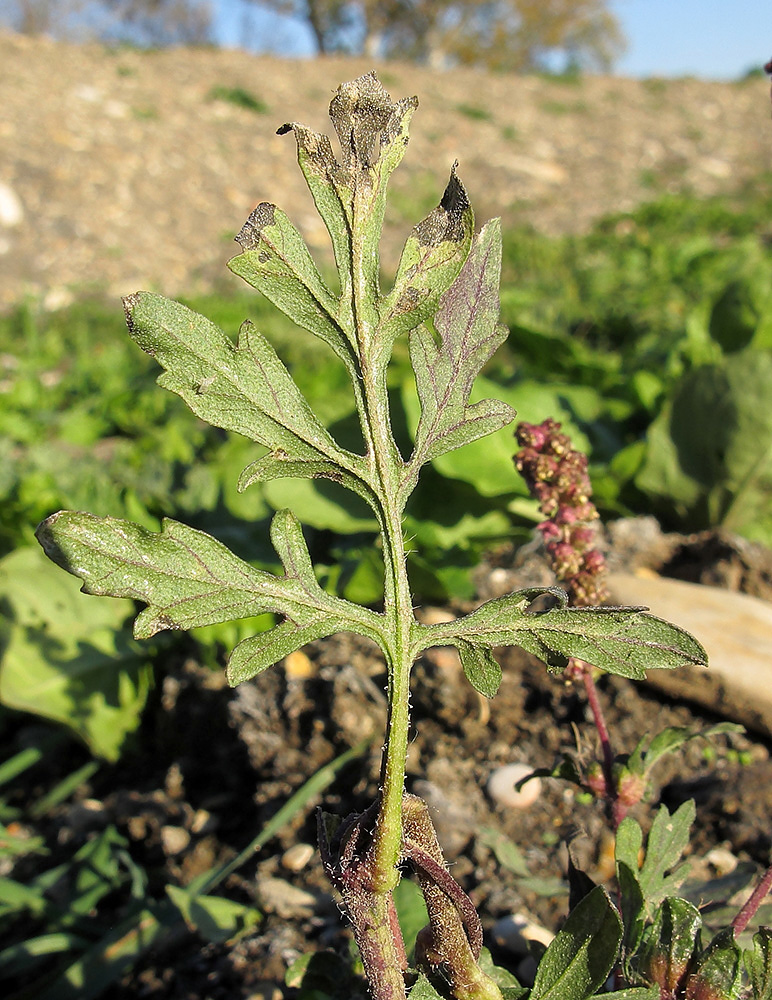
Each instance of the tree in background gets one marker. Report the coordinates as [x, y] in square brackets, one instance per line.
[515, 35]
[143, 22]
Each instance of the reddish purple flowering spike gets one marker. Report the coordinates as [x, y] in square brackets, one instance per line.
[557, 477]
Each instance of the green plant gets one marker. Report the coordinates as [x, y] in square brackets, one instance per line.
[659, 934]
[238, 96]
[445, 299]
[474, 112]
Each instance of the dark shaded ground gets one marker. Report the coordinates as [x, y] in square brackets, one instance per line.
[214, 764]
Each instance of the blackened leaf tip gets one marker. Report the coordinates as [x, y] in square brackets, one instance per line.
[285, 128]
[129, 304]
[455, 199]
[263, 215]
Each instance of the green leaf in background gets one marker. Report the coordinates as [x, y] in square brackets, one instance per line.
[486, 463]
[411, 910]
[215, 918]
[670, 739]
[626, 642]
[507, 853]
[583, 952]
[735, 315]
[320, 505]
[467, 322]
[710, 448]
[67, 658]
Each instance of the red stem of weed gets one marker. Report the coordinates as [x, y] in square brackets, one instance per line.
[618, 809]
[754, 901]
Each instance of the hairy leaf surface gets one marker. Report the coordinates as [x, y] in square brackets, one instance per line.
[187, 578]
[621, 641]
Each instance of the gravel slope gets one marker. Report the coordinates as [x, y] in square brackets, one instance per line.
[119, 170]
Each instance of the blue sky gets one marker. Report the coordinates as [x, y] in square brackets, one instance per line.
[716, 39]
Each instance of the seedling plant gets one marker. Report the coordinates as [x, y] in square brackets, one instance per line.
[444, 299]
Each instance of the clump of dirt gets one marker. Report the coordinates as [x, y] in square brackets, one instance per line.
[212, 765]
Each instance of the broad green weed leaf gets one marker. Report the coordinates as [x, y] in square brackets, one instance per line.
[710, 448]
[582, 954]
[67, 658]
[467, 322]
[431, 259]
[626, 642]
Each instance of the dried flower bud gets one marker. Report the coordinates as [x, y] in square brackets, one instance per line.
[595, 780]
[630, 786]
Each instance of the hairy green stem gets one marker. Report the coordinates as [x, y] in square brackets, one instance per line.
[386, 467]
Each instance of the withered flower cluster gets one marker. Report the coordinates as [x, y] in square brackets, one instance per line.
[556, 475]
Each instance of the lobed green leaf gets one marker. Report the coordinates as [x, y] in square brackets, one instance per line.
[188, 579]
[661, 872]
[467, 322]
[245, 388]
[431, 260]
[621, 641]
[276, 261]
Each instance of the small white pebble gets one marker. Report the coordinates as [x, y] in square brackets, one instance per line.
[722, 860]
[515, 932]
[174, 840]
[502, 782]
[296, 858]
[203, 822]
